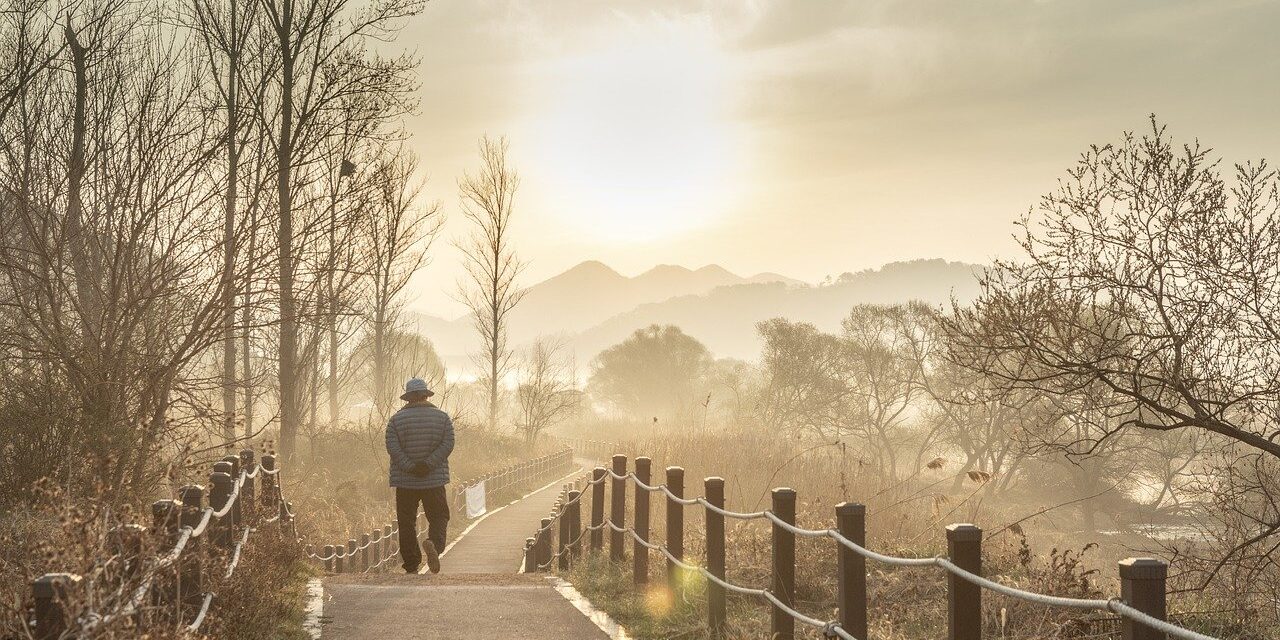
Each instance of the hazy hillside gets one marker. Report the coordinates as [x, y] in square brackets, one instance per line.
[591, 293]
[725, 318]
[585, 296]
[592, 306]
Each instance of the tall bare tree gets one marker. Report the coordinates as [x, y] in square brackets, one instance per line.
[491, 263]
[548, 392]
[225, 29]
[400, 234]
[322, 59]
[110, 256]
[1149, 291]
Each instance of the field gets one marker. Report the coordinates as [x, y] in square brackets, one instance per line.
[903, 519]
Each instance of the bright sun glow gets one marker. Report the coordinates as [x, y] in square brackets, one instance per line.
[635, 135]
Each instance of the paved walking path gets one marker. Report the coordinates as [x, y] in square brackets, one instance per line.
[496, 544]
[478, 593]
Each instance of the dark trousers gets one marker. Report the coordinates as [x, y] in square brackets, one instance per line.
[435, 504]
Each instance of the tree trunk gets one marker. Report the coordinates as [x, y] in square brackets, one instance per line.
[290, 407]
[494, 351]
[313, 388]
[381, 394]
[228, 243]
[75, 184]
[246, 321]
[332, 302]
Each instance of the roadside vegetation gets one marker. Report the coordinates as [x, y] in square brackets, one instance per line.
[1045, 554]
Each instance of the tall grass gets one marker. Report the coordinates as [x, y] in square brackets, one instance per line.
[906, 518]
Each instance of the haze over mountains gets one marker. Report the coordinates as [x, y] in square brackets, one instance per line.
[591, 307]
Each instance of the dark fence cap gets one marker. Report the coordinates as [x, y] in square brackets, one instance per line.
[50, 584]
[851, 508]
[963, 532]
[1144, 569]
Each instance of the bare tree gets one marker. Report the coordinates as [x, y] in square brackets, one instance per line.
[491, 263]
[1149, 289]
[548, 392]
[112, 288]
[400, 234]
[804, 391]
[320, 47]
[658, 373]
[225, 28]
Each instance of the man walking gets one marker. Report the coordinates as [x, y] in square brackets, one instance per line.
[419, 441]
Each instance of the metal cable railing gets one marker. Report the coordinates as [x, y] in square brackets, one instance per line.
[1141, 575]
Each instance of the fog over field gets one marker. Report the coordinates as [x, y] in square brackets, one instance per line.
[992, 286]
[591, 306]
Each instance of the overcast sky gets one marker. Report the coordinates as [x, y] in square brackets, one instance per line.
[811, 137]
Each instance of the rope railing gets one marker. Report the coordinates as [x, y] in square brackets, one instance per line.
[182, 524]
[1141, 606]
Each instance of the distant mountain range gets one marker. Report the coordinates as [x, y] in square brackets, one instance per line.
[591, 306]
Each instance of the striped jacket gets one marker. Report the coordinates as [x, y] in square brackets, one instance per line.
[419, 432]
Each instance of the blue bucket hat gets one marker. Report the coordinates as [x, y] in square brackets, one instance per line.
[416, 386]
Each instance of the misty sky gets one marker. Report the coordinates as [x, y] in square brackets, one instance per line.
[811, 137]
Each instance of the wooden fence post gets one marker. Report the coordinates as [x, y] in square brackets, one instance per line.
[237, 516]
[394, 543]
[851, 522]
[219, 492]
[328, 558]
[51, 592]
[165, 515]
[964, 599]
[597, 508]
[675, 526]
[575, 523]
[530, 554]
[353, 562]
[618, 508]
[270, 494]
[340, 559]
[713, 489]
[1142, 586]
[189, 578]
[640, 559]
[783, 626]
[563, 538]
[364, 552]
[247, 492]
[544, 545]
[384, 547]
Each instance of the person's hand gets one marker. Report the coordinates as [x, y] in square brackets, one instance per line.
[420, 470]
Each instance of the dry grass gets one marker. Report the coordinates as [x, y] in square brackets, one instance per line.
[905, 518]
[58, 533]
[337, 486]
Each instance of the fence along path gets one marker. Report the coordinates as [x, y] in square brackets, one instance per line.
[1141, 605]
[376, 550]
[168, 586]
[478, 593]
